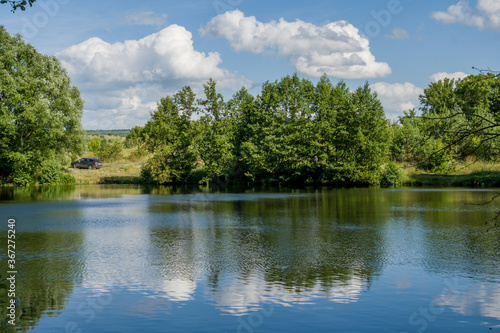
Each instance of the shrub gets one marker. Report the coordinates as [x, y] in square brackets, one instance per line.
[50, 173]
[440, 160]
[392, 175]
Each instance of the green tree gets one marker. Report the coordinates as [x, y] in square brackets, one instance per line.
[409, 142]
[109, 149]
[439, 97]
[293, 132]
[360, 139]
[464, 115]
[135, 138]
[243, 109]
[330, 101]
[215, 139]
[40, 113]
[169, 137]
[95, 146]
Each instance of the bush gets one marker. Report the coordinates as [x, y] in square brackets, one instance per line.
[440, 161]
[392, 175]
[146, 176]
[95, 146]
[67, 179]
[50, 173]
[110, 150]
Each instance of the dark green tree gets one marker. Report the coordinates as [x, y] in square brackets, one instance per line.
[243, 109]
[169, 137]
[40, 114]
[293, 132]
[215, 138]
[360, 140]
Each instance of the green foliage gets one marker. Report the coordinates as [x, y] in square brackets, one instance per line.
[21, 4]
[440, 160]
[169, 136]
[360, 138]
[40, 113]
[439, 97]
[293, 132]
[95, 145]
[461, 119]
[215, 139]
[109, 150]
[408, 141]
[298, 132]
[50, 172]
[392, 175]
[135, 138]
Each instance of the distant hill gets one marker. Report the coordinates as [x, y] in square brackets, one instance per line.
[117, 132]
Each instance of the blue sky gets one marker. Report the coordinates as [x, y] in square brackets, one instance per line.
[125, 55]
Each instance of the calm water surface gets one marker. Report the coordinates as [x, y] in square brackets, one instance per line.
[132, 259]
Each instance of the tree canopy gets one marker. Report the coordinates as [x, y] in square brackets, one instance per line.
[40, 114]
[459, 122]
[293, 132]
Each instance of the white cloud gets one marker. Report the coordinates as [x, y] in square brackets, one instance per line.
[146, 18]
[486, 15]
[398, 33]
[442, 75]
[397, 97]
[241, 297]
[336, 49]
[121, 82]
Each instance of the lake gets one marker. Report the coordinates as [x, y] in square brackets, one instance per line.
[163, 259]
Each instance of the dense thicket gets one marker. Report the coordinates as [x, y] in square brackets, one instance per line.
[292, 132]
[40, 115]
[459, 121]
[298, 132]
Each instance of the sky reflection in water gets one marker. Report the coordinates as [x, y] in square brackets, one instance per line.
[112, 258]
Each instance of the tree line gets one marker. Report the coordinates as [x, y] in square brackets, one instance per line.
[297, 132]
[292, 132]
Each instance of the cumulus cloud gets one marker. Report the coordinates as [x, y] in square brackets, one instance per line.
[397, 97]
[486, 15]
[121, 82]
[336, 49]
[442, 75]
[398, 33]
[146, 18]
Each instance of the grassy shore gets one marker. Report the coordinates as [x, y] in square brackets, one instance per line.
[473, 174]
[124, 170]
[119, 172]
[127, 170]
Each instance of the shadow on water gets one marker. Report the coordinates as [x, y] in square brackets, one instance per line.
[77, 192]
[48, 266]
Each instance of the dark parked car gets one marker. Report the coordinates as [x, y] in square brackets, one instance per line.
[87, 163]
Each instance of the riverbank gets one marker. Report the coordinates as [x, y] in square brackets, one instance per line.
[120, 172]
[476, 175]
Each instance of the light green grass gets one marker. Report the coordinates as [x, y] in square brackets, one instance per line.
[468, 174]
[125, 170]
